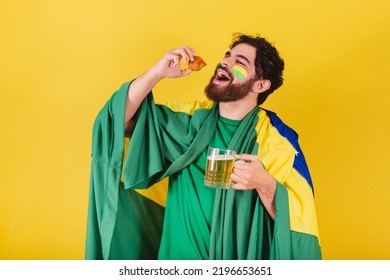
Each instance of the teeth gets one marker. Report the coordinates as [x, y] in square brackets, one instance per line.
[223, 76]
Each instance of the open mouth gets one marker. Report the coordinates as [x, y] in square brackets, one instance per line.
[222, 75]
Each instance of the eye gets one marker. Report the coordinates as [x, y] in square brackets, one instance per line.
[241, 63]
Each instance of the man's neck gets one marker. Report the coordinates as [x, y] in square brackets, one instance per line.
[236, 110]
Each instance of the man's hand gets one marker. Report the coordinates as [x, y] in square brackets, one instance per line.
[249, 174]
[169, 65]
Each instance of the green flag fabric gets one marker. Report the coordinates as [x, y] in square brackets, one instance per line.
[126, 220]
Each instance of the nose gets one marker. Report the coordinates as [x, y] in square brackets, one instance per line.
[227, 62]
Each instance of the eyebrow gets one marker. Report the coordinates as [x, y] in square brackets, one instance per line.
[239, 56]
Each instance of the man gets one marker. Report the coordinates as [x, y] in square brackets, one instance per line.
[267, 214]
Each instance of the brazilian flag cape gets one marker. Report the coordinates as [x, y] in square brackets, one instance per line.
[129, 183]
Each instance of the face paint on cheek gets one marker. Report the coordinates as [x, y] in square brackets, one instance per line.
[239, 72]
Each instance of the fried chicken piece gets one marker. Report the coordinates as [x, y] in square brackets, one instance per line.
[196, 64]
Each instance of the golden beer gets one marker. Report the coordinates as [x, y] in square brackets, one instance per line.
[219, 167]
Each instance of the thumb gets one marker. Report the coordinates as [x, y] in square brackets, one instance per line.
[186, 71]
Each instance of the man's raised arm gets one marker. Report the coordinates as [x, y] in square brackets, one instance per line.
[167, 67]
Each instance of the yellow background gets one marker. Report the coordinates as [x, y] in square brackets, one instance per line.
[61, 60]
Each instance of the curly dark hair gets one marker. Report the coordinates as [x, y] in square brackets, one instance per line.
[269, 65]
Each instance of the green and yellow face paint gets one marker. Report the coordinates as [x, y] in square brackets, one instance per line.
[238, 71]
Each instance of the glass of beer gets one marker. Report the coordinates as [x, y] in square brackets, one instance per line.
[219, 167]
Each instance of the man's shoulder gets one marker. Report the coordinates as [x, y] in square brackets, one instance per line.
[283, 129]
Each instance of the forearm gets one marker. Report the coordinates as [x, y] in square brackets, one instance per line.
[138, 90]
[249, 174]
[267, 196]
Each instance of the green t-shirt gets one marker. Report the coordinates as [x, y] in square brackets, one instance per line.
[189, 208]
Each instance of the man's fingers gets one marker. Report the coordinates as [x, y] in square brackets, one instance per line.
[174, 60]
[247, 157]
[190, 52]
[186, 53]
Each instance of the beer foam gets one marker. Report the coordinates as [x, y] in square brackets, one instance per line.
[220, 157]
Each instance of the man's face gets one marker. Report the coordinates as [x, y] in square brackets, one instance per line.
[235, 75]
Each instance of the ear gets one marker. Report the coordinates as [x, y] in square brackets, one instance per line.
[261, 85]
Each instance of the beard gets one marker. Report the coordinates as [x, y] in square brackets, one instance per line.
[229, 92]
